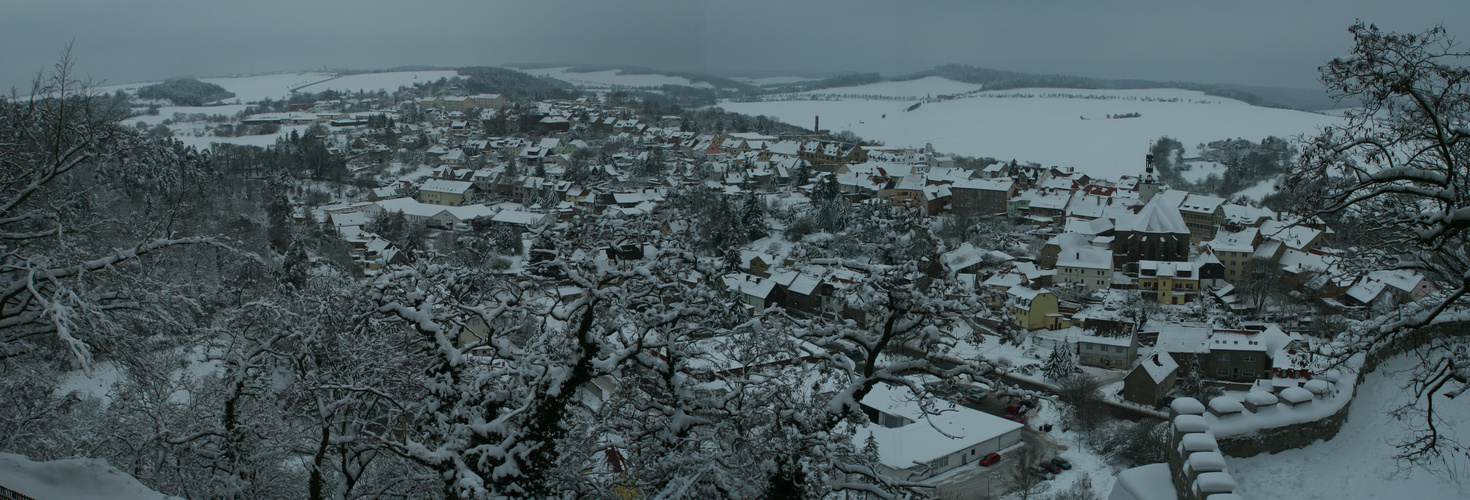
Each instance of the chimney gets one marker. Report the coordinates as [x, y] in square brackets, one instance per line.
[817, 125]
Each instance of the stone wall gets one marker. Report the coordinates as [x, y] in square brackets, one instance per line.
[1290, 437]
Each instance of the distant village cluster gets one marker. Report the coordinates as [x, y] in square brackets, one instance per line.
[1126, 275]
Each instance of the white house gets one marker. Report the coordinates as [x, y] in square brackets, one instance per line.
[914, 446]
[1090, 266]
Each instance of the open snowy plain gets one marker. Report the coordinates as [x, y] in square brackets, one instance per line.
[1065, 127]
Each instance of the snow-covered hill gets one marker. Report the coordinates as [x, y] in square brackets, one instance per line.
[612, 78]
[279, 86]
[389, 81]
[1067, 127]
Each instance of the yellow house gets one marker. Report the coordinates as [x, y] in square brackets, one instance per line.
[1035, 309]
[1169, 282]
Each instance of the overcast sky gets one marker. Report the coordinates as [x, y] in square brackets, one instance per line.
[1275, 43]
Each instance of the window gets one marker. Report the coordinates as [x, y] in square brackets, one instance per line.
[1222, 373]
[1224, 356]
[939, 464]
[1249, 358]
[1120, 350]
[1248, 373]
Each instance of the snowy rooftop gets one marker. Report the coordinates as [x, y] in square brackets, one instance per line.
[1201, 203]
[1158, 366]
[1155, 217]
[1185, 338]
[446, 186]
[1147, 482]
[1294, 237]
[754, 286]
[1241, 241]
[925, 439]
[1089, 257]
[518, 218]
[73, 479]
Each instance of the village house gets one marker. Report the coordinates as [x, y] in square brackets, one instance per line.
[1088, 266]
[1151, 379]
[444, 192]
[754, 292]
[1107, 352]
[914, 444]
[1035, 309]
[981, 197]
[1169, 282]
[1203, 215]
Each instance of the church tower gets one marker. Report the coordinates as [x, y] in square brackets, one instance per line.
[1148, 186]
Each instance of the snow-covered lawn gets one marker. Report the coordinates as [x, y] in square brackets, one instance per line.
[1066, 127]
[1199, 170]
[1358, 462]
[612, 78]
[1261, 189]
[389, 81]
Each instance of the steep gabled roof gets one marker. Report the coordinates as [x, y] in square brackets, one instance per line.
[1157, 216]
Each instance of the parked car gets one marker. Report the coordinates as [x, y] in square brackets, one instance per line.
[989, 459]
[976, 394]
[1061, 462]
[1041, 472]
[1013, 409]
[1051, 468]
[1014, 418]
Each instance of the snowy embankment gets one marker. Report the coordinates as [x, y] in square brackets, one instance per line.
[1065, 127]
[1358, 462]
[72, 479]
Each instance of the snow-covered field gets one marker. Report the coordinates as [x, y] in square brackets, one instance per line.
[929, 86]
[612, 78]
[203, 142]
[1358, 462]
[278, 86]
[246, 88]
[168, 112]
[390, 81]
[1067, 127]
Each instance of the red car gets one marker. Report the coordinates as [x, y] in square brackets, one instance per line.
[989, 459]
[1013, 409]
[1014, 418]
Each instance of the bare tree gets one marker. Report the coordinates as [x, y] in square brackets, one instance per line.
[61, 252]
[1080, 393]
[1402, 160]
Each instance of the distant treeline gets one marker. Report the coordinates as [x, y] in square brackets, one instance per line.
[185, 92]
